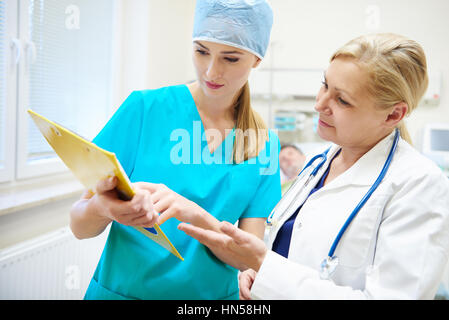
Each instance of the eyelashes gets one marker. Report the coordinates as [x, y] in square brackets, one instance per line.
[339, 99]
[324, 83]
[232, 59]
[343, 101]
[229, 59]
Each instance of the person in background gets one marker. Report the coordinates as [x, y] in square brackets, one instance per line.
[291, 161]
[393, 244]
[188, 154]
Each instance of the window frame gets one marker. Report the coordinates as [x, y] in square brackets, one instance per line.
[19, 167]
[7, 170]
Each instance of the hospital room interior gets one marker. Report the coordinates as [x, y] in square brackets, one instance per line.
[76, 61]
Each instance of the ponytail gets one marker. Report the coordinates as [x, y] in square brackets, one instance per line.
[404, 132]
[251, 132]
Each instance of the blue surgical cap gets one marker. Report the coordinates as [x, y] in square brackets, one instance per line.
[244, 24]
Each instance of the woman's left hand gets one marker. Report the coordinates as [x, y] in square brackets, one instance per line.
[169, 204]
[237, 248]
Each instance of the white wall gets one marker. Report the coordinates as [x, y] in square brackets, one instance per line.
[156, 44]
[170, 34]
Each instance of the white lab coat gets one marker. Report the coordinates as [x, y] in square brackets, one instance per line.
[395, 248]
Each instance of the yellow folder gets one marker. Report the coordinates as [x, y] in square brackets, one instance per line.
[90, 164]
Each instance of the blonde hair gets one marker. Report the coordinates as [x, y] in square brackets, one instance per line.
[396, 67]
[251, 132]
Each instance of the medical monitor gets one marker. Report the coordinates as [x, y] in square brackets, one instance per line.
[436, 138]
[436, 144]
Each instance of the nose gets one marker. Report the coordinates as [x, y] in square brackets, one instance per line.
[322, 102]
[214, 70]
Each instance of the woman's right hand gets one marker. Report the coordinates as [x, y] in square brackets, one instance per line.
[137, 212]
[246, 280]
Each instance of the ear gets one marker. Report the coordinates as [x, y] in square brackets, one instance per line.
[397, 114]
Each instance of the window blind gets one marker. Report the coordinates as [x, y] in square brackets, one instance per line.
[69, 60]
[3, 48]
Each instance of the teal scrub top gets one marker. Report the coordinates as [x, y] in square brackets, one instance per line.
[158, 137]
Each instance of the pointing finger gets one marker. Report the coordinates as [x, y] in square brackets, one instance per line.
[164, 216]
[206, 237]
[152, 187]
[239, 236]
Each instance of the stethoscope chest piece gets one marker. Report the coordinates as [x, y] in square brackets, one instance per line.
[328, 267]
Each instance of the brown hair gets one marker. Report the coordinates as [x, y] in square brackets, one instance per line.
[397, 69]
[251, 131]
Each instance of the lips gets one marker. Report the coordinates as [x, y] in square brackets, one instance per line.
[213, 86]
[324, 124]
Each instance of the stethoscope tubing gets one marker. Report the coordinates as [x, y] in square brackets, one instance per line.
[366, 196]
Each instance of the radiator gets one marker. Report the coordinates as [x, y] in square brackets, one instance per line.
[56, 266]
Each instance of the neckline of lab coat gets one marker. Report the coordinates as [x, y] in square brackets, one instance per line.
[364, 171]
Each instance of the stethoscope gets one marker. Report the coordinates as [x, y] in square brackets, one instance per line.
[329, 264]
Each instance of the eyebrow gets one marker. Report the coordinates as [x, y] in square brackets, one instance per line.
[223, 52]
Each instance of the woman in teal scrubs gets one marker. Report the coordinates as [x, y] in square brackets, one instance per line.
[195, 153]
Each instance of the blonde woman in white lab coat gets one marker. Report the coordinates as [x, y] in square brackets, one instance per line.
[397, 245]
